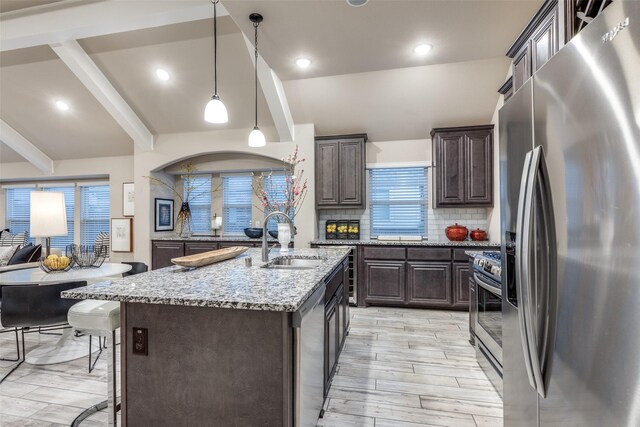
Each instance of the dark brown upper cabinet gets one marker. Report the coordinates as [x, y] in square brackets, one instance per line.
[463, 170]
[536, 44]
[340, 171]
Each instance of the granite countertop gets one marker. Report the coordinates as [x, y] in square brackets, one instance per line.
[216, 239]
[466, 243]
[228, 284]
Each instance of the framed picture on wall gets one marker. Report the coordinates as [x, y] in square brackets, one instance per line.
[128, 199]
[121, 234]
[163, 215]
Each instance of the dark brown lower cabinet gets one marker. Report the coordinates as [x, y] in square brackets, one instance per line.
[385, 281]
[192, 248]
[428, 284]
[336, 328]
[163, 251]
[415, 276]
[232, 244]
[331, 342]
[461, 274]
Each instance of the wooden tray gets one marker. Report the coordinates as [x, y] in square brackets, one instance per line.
[211, 257]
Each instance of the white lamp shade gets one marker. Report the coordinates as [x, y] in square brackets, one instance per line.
[216, 223]
[256, 138]
[215, 111]
[48, 214]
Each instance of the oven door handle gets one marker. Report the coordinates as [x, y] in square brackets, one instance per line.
[480, 281]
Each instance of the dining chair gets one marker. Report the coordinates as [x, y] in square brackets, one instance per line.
[136, 268]
[35, 306]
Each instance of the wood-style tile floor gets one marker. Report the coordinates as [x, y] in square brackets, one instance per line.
[410, 368]
[399, 368]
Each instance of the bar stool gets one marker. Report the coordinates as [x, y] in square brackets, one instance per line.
[102, 319]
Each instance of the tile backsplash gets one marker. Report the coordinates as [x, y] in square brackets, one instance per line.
[437, 220]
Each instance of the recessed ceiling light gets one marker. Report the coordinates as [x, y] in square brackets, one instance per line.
[62, 106]
[357, 3]
[422, 49]
[163, 74]
[303, 62]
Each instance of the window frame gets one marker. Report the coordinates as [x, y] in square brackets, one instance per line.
[422, 203]
[235, 228]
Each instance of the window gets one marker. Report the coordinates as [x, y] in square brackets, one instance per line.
[199, 195]
[236, 203]
[17, 202]
[398, 202]
[94, 212]
[276, 186]
[61, 242]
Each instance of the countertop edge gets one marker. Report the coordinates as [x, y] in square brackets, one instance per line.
[93, 292]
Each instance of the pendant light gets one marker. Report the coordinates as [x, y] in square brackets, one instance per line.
[256, 137]
[215, 111]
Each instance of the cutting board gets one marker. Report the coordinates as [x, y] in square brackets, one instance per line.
[211, 257]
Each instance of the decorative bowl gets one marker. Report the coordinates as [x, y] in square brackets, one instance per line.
[55, 263]
[253, 233]
[478, 235]
[456, 233]
[273, 233]
[89, 256]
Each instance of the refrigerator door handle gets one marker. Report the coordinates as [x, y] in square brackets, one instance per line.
[541, 279]
[522, 287]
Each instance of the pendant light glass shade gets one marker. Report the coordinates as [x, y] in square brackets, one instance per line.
[215, 111]
[256, 138]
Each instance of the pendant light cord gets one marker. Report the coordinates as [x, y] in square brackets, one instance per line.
[255, 26]
[215, 47]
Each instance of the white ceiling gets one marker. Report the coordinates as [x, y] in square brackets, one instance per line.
[11, 5]
[341, 39]
[364, 76]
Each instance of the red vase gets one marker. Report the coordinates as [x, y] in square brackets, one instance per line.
[456, 233]
[478, 235]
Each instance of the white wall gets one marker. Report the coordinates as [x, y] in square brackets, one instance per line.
[118, 169]
[170, 148]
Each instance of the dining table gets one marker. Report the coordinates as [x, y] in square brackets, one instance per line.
[70, 345]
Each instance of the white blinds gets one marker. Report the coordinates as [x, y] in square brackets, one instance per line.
[95, 211]
[276, 188]
[236, 204]
[398, 204]
[17, 202]
[61, 242]
[199, 195]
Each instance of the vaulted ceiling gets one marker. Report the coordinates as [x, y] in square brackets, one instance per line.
[364, 76]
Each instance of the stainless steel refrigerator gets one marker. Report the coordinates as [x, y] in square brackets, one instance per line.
[570, 192]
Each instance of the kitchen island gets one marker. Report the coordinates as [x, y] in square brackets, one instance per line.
[227, 344]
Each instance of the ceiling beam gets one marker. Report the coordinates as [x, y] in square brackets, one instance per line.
[21, 145]
[79, 20]
[274, 94]
[80, 64]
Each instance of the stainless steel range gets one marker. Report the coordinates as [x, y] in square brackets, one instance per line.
[487, 268]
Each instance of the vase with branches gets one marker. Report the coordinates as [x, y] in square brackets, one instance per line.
[287, 198]
[191, 189]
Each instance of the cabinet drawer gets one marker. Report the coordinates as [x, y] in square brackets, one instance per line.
[429, 254]
[382, 252]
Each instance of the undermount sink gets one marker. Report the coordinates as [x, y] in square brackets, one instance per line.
[294, 263]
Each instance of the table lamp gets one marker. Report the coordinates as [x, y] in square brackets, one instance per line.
[48, 216]
[216, 224]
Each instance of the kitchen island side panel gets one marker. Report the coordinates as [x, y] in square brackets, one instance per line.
[207, 366]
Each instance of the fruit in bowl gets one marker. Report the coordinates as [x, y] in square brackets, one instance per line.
[55, 263]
